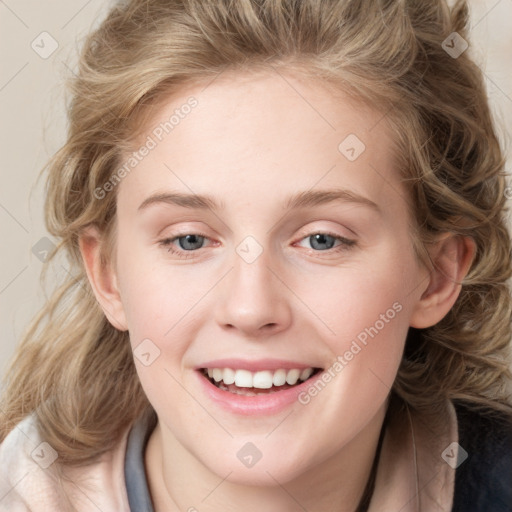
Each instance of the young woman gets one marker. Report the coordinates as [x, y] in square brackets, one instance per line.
[285, 220]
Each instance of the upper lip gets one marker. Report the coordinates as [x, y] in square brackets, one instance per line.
[254, 365]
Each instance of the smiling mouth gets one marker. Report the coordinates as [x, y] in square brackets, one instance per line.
[247, 383]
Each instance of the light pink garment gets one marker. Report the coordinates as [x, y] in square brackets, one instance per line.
[411, 477]
[26, 486]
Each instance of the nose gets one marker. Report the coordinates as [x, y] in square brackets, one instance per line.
[253, 299]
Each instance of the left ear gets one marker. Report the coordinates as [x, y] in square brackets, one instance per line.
[451, 257]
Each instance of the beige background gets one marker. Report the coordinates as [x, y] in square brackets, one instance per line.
[33, 124]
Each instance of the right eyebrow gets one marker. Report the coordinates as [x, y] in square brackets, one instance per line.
[200, 202]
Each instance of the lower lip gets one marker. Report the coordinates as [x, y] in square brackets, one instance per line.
[258, 405]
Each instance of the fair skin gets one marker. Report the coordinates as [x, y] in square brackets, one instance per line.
[250, 144]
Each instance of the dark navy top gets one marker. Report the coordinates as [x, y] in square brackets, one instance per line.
[483, 482]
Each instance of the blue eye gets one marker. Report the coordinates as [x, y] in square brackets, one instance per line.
[322, 242]
[321, 239]
[189, 242]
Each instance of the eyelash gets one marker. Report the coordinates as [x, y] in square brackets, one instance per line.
[345, 244]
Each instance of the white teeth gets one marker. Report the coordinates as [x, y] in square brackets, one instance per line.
[305, 374]
[263, 379]
[243, 379]
[279, 378]
[229, 376]
[292, 377]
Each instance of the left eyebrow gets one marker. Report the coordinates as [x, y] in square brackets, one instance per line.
[320, 197]
[304, 199]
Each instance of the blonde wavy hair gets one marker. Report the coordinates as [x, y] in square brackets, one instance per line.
[75, 371]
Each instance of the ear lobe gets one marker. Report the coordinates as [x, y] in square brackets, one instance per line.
[451, 257]
[102, 278]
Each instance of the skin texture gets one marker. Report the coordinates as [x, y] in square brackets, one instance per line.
[251, 142]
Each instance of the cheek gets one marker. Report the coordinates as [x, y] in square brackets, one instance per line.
[371, 327]
[158, 298]
[367, 309]
[364, 300]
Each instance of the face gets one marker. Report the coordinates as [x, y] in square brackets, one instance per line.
[259, 241]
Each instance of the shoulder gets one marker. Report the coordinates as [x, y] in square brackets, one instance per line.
[23, 461]
[30, 476]
[483, 479]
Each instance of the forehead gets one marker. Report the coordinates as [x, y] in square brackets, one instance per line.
[257, 134]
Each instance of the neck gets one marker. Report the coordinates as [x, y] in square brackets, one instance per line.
[178, 480]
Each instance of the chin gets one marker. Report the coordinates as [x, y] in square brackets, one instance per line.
[259, 463]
